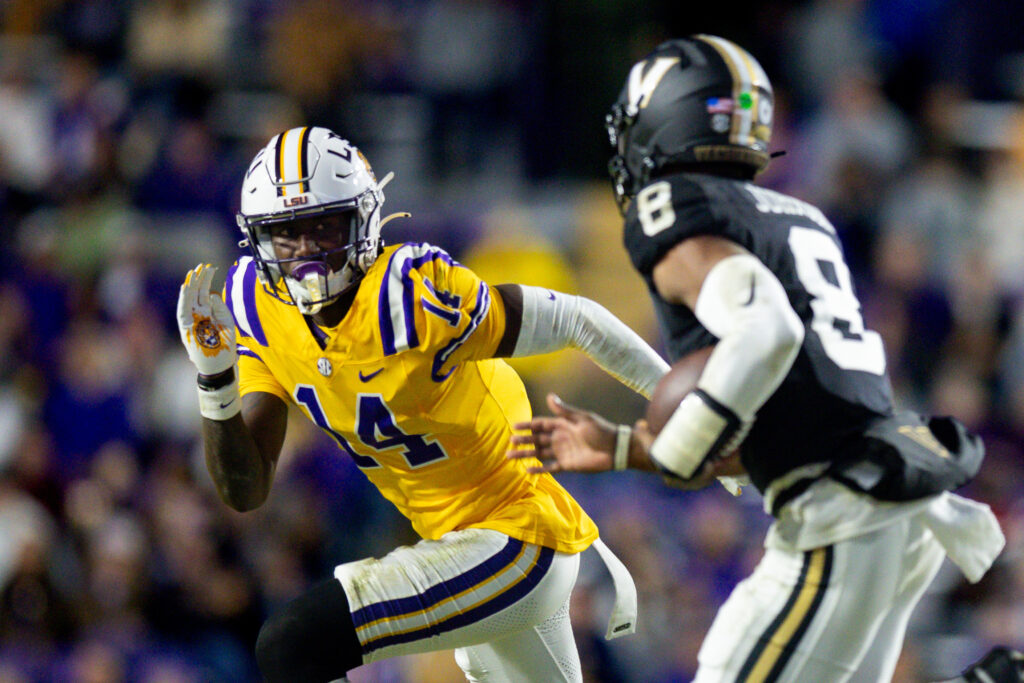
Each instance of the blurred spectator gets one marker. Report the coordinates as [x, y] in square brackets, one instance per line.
[27, 159]
[468, 56]
[827, 40]
[170, 39]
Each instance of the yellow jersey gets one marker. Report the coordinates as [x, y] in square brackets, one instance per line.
[407, 386]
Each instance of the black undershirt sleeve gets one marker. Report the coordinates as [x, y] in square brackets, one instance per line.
[512, 295]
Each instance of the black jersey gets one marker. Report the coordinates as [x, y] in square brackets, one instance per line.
[838, 382]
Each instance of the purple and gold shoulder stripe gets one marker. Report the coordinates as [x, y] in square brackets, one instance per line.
[397, 298]
[241, 299]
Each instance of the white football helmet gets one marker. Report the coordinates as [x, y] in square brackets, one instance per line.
[303, 173]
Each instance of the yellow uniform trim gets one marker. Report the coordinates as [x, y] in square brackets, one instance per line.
[298, 162]
[776, 644]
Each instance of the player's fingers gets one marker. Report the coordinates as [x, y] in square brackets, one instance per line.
[522, 440]
[537, 425]
[184, 313]
[536, 440]
[198, 301]
[521, 453]
[565, 410]
[205, 282]
[192, 283]
[559, 407]
[220, 311]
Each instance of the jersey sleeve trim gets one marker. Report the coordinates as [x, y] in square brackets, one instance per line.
[397, 296]
[483, 305]
[241, 299]
[242, 351]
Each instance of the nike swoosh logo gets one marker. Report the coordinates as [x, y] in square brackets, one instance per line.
[753, 288]
[551, 295]
[225, 405]
[367, 378]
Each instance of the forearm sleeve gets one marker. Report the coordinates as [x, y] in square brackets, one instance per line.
[553, 321]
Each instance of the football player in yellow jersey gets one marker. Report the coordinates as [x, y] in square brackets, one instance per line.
[395, 352]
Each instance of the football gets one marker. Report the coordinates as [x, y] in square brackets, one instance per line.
[678, 381]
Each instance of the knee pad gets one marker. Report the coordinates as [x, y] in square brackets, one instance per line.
[311, 639]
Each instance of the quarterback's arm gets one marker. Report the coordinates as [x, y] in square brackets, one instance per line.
[242, 451]
[740, 301]
[540, 321]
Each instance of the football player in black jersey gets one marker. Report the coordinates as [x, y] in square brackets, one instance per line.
[861, 493]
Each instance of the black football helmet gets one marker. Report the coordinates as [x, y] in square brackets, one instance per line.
[691, 100]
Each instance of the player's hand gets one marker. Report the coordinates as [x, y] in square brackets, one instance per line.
[206, 325]
[727, 470]
[575, 440]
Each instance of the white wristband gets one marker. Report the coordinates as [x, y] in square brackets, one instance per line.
[220, 404]
[620, 460]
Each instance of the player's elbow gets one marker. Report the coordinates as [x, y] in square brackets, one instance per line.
[242, 494]
[242, 502]
[786, 335]
[778, 335]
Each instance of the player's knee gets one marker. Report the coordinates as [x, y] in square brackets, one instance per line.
[312, 639]
[275, 647]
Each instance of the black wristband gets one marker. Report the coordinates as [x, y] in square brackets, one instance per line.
[216, 381]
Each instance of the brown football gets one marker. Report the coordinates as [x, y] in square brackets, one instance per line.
[678, 381]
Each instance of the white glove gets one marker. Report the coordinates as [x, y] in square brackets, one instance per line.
[208, 333]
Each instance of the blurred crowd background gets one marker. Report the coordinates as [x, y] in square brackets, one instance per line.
[125, 127]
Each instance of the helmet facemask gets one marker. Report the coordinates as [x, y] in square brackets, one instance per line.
[618, 123]
[340, 245]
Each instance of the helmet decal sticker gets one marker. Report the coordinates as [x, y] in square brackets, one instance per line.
[720, 105]
[747, 77]
[642, 85]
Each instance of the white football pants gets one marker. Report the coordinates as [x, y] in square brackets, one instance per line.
[500, 602]
[832, 614]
